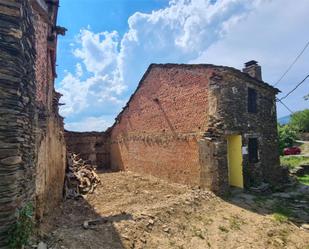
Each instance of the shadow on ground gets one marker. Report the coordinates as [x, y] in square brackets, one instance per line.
[77, 225]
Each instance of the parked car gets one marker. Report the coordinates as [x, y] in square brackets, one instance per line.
[292, 151]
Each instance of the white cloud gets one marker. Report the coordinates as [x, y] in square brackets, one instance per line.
[89, 124]
[79, 70]
[98, 51]
[227, 32]
[273, 34]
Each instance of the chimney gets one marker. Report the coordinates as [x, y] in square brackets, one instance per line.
[253, 69]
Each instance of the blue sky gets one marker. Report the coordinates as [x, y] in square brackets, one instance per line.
[110, 43]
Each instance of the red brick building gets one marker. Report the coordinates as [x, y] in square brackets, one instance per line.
[202, 125]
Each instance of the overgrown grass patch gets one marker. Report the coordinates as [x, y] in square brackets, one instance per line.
[304, 179]
[293, 161]
[281, 212]
[235, 223]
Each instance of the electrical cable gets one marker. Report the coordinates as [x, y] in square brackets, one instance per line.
[295, 60]
[285, 96]
[279, 100]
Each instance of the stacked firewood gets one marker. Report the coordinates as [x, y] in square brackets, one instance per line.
[80, 177]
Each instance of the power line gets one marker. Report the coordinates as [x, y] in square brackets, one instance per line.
[296, 59]
[279, 100]
[285, 96]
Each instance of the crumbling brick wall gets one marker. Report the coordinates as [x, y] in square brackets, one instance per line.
[17, 111]
[91, 146]
[159, 130]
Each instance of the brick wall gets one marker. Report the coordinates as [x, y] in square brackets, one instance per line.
[176, 124]
[41, 65]
[92, 146]
[158, 132]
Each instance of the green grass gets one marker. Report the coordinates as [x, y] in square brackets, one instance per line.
[293, 161]
[280, 217]
[281, 212]
[304, 179]
[236, 222]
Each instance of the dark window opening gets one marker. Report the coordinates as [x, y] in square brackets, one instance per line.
[253, 150]
[252, 101]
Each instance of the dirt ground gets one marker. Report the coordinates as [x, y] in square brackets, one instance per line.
[132, 211]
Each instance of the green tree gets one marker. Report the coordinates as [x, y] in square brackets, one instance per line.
[300, 120]
[287, 136]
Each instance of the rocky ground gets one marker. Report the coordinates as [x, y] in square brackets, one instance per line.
[132, 211]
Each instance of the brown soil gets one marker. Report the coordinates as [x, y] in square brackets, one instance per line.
[145, 212]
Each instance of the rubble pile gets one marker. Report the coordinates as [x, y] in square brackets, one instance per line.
[80, 177]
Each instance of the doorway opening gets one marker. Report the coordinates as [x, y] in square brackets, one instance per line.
[234, 156]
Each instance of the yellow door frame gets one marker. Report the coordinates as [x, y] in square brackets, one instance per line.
[234, 156]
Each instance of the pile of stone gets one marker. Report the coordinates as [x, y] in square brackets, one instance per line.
[80, 178]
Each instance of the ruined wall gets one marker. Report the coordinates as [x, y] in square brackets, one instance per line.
[17, 111]
[158, 132]
[50, 134]
[92, 146]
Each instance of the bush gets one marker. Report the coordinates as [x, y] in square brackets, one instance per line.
[287, 136]
[300, 120]
[21, 231]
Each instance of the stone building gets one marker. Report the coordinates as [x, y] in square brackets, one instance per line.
[201, 125]
[32, 145]
[204, 125]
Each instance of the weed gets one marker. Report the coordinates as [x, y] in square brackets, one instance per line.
[280, 217]
[281, 212]
[223, 229]
[304, 179]
[21, 231]
[235, 223]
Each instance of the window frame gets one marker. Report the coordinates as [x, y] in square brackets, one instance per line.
[253, 150]
[252, 100]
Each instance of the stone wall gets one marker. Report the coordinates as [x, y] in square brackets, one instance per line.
[17, 111]
[91, 146]
[32, 146]
[229, 92]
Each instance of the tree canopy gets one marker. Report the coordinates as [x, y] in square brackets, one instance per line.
[300, 120]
